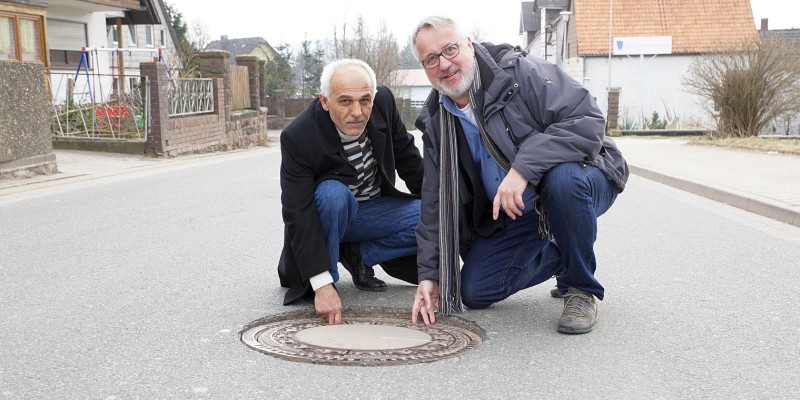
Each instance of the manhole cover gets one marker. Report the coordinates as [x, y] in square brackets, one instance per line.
[366, 337]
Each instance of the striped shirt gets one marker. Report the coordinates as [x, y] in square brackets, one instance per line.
[359, 154]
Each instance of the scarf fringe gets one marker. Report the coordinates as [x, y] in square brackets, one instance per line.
[544, 223]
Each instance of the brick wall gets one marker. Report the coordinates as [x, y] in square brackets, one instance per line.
[222, 130]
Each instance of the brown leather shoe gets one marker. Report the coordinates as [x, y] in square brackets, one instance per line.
[580, 312]
[363, 276]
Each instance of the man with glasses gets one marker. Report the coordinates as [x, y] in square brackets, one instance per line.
[517, 170]
[339, 160]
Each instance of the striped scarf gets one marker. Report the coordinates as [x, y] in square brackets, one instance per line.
[449, 262]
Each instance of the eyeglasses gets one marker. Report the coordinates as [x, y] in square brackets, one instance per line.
[449, 53]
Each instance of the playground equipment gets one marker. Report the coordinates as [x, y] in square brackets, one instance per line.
[94, 105]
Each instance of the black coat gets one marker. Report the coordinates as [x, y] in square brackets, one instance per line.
[311, 152]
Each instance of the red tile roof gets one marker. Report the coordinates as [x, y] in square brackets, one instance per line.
[696, 26]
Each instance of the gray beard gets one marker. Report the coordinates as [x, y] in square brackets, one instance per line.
[463, 87]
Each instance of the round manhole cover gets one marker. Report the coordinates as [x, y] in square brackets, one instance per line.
[366, 337]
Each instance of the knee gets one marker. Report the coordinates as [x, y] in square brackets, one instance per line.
[563, 183]
[332, 196]
[472, 298]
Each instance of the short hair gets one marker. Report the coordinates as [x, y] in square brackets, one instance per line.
[435, 22]
[332, 67]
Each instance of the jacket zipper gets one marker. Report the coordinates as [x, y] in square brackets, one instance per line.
[489, 145]
[501, 160]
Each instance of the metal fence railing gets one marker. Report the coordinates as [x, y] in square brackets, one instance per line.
[191, 96]
[95, 106]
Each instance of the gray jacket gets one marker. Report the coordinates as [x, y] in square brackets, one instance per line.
[536, 116]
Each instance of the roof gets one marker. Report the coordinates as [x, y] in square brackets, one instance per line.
[410, 77]
[239, 47]
[530, 17]
[695, 26]
[791, 36]
[529, 21]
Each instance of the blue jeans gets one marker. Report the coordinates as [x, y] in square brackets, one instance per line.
[384, 226]
[573, 195]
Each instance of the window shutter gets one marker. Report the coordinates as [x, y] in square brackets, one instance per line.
[65, 35]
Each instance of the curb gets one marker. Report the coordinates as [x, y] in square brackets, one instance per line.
[745, 203]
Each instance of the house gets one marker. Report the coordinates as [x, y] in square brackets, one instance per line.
[254, 46]
[147, 34]
[534, 16]
[632, 54]
[411, 84]
[142, 26]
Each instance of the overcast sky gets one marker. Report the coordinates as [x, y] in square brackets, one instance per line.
[291, 21]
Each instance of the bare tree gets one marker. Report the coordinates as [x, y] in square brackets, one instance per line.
[749, 87]
[380, 51]
[478, 34]
[191, 40]
[198, 33]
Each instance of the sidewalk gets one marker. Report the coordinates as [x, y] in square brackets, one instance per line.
[76, 166]
[761, 183]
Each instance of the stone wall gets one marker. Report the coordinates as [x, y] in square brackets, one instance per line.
[248, 128]
[222, 130]
[25, 147]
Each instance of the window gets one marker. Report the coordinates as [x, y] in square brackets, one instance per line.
[114, 35]
[132, 30]
[148, 35]
[8, 41]
[68, 59]
[163, 42]
[65, 40]
[21, 37]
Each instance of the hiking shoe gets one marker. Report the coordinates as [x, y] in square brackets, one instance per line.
[580, 312]
[556, 293]
[363, 276]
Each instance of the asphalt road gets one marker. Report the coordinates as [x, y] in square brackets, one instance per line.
[136, 286]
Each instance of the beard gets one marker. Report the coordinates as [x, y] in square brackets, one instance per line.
[467, 78]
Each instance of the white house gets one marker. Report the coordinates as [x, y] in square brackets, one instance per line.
[411, 84]
[651, 45]
[73, 25]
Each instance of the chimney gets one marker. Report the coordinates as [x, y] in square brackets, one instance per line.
[764, 24]
[225, 37]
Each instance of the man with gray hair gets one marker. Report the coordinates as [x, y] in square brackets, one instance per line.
[339, 161]
[517, 170]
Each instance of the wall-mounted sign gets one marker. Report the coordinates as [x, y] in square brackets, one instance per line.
[636, 45]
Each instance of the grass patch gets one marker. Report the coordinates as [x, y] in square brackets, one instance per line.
[785, 146]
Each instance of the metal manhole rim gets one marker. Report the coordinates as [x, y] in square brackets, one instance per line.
[273, 335]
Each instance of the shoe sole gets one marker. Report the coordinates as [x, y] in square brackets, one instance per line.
[367, 289]
[572, 331]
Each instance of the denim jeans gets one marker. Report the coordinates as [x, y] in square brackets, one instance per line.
[573, 195]
[384, 226]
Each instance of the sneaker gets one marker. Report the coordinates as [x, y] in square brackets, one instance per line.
[363, 276]
[556, 293]
[580, 312]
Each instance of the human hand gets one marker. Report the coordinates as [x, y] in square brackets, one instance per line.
[509, 195]
[427, 290]
[328, 304]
